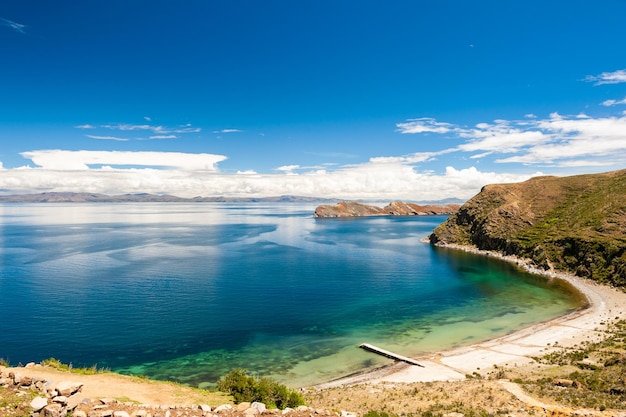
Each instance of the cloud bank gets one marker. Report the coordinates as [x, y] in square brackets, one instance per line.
[191, 175]
[557, 141]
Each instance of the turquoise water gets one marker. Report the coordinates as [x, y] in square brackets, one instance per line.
[187, 292]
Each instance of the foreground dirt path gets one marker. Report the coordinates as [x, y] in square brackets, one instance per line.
[126, 388]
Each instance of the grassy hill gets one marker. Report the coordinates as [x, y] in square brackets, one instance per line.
[576, 224]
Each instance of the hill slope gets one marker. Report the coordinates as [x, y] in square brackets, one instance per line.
[576, 224]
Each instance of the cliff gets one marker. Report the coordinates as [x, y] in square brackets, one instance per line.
[396, 208]
[576, 224]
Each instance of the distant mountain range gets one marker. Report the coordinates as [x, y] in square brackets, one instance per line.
[575, 224]
[147, 198]
[61, 197]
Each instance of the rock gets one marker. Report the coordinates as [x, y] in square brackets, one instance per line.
[259, 406]
[38, 403]
[223, 407]
[303, 408]
[74, 401]
[106, 413]
[345, 413]
[454, 414]
[79, 413]
[288, 410]
[205, 407]
[67, 388]
[60, 400]
[121, 414]
[249, 412]
[242, 406]
[51, 410]
[560, 382]
[141, 413]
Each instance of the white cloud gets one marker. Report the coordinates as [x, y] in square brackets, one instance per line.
[558, 141]
[609, 103]
[615, 77]
[227, 131]
[157, 130]
[163, 137]
[107, 138]
[80, 160]
[18, 27]
[423, 125]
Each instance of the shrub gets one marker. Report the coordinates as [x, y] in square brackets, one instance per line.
[244, 387]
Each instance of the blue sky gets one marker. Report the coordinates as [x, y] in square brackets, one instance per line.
[410, 100]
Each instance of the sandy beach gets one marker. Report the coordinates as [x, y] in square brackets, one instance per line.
[605, 304]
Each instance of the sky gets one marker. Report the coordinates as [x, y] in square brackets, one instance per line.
[401, 100]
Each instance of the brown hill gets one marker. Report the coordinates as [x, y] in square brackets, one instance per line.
[576, 224]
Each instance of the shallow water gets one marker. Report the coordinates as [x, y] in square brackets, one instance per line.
[187, 292]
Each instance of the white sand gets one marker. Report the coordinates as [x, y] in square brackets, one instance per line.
[605, 305]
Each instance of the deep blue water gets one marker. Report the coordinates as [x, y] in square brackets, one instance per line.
[190, 291]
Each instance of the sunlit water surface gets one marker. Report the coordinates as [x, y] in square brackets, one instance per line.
[187, 292]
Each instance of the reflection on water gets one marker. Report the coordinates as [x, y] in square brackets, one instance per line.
[189, 291]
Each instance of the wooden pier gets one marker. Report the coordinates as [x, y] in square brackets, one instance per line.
[390, 355]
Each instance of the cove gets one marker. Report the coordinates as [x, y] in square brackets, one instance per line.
[187, 292]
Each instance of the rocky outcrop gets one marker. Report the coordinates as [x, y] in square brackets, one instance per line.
[396, 208]
[576, 224]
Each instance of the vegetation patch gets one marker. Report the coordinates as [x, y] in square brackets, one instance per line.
[246, 388]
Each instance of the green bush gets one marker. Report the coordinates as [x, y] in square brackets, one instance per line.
[244, 387]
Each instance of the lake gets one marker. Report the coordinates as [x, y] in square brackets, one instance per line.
[187, 292]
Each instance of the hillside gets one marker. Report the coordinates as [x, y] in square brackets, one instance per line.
[575, 224]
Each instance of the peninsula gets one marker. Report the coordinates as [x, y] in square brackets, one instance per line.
[572, 224]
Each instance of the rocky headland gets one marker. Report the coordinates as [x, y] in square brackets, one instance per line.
[573, 224]
[396, 208]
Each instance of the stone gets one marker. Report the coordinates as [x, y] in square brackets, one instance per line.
[106, 413]
[68, 388]
[38, 403]
[121, 414]
[74, 401]
[140, 413]
[60, 400]
[242, 406]
[223, 407]
[79, 413]
[288, 410]
[206, 407]
[51, 410]
[26, 381]
[259, 406]
[251, 412]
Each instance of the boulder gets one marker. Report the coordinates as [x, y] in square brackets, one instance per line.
[38, 403]
[223, 407]
[67, 388]
[51, 410]
[259, 406]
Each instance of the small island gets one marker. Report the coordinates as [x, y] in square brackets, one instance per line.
[396, 208]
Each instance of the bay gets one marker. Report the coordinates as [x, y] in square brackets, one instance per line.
[187, 292]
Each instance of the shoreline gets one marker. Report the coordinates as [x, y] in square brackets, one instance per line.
[604, 304]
